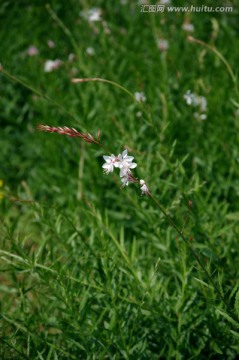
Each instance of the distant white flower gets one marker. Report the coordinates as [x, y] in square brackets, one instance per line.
[51, 65]
[124, 162]
[140, 97]
[144, 188]
[189, 97]
[200, 116]
[162, 44]
[198, 102]
[51, 44]
[90, 51]
[195, 100]
[188, 27]
[32, 51]
[92, 15]
[139, 114]
[71, 57]
[110, 163]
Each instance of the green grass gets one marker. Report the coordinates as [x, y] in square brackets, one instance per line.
[90, 271]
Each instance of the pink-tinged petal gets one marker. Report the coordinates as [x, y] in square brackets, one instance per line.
[144, 189]
[133, 165]
[107, 159]
[105, 166]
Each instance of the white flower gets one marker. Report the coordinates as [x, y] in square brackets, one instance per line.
[196, 101]
[32, 51]
[51, 65]
[92, 15]
[189, 97]
[144, 188]
[125, 163]
[71, 57]
[188, 27]
[110, 163]
[200, 116]
[125, 168]
[124, 157]
[139, 96]
[51, 44]
[162, 44]
[90, 51]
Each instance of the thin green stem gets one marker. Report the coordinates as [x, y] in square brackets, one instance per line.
[35, 91]
[62, 26]
[33, 335]
[75, 81]
[221, 57]
[36, 265]
[191, 249]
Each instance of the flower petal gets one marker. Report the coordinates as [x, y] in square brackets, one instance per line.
[124, 153]
[105, 165]
[129, 158]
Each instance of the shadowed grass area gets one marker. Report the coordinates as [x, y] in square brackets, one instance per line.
[90, 270]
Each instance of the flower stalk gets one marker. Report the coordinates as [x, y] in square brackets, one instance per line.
[72, 132]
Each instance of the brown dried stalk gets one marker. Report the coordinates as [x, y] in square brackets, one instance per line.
[70, 132]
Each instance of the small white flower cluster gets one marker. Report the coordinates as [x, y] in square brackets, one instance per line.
[199, 102]
[140, 97]
[125, 163]
[188, 27]
[162, 44]
[144, 188]
[90, 51]
[92, 15]
[51, 65]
